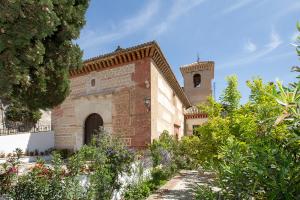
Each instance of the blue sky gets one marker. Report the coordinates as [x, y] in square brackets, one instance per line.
[249, 38]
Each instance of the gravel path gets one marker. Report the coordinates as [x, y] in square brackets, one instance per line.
[181, 187]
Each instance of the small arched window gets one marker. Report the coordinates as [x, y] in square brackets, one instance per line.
[93, 82]
[197, 80]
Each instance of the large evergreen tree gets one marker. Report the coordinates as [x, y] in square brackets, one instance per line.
[37, 50]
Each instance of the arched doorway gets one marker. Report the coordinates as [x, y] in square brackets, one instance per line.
[92, 124]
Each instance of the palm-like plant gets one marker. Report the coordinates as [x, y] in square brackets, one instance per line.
[289, 98]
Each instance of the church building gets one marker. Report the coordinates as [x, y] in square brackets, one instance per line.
[133, 94]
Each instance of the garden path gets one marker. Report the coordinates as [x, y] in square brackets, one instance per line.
[182, 186]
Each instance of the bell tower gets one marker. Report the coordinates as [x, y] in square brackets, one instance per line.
[198, 78]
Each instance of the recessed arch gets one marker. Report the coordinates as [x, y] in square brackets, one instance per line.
[92, 123]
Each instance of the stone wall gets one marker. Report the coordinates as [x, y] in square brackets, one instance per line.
[166, 107]
[117, 96]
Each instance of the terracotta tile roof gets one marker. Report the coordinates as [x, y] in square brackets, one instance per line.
[194, 112]
[131, 54]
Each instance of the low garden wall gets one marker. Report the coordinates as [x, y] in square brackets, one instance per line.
[41, 141]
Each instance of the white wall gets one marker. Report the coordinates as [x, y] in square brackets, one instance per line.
[166, 107]
[27, 141]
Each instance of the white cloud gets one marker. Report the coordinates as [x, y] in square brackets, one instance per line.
[274, 43]
[179, 8]
[236, 6]
[126, 27]
[250, 46]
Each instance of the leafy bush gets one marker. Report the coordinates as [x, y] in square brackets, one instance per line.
[189, 152]
[138, 192]
[102, 163]
[204, 192]
[142, 189]
[255, 153]
[107, 159]
[65, 153]
[8, 175]
[164, 153]
[44, 182]
[163, 149]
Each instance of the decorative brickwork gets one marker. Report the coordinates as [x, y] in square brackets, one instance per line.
[133, 90]
[118, 97]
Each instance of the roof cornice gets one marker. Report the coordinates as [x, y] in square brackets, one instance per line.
[197, 66]
[124, 56]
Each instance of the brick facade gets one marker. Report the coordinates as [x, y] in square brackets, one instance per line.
[118, 87]
[118, 97]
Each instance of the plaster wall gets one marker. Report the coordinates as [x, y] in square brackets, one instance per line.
[27, 142]
[166, 107]
[198, 94]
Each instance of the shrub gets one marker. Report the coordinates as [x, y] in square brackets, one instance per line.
[254, 152]
[163, 149]
[108, 159]
[164, 152]
[44, 182]
[142, 189]
[189, 152]
[8, 175]
[65, 153]
[204, 192]
[137, 192]
[102, 162]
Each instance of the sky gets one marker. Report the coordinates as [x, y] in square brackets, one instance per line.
[249, 38]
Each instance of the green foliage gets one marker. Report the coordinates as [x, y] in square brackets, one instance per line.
[8, 175]
[211, 108]
[102, 163]
[165, 155]
[254, 155]
[64, 153]
[37, 50]
[289, 99]
[298, 46]
[190, 152]
[15, 112]
[47, 183]
[163, 149]
[231, 96]
[137, 192]
[204, 192]
[107, 158]
[141, 190]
